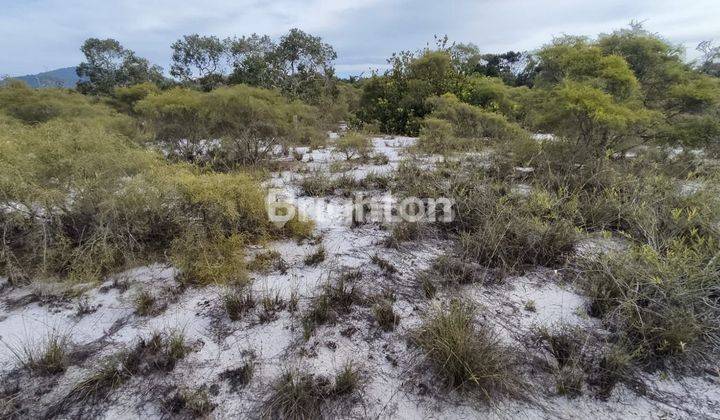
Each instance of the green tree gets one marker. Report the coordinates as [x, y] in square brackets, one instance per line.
[109, 65]
[199, 60]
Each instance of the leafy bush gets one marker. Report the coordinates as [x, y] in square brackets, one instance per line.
[660, 304]
[81, 201]
[249, 124]
[354, 145]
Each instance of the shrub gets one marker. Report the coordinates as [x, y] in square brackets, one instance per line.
[658, 302]
[251, 122]
[464, 354]
[35, 106]
[205, 261]
[354, 145]
[522, 231]
[317, 184]
[436, 136]
[127, 207]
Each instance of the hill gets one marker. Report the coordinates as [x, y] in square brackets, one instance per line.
[65, 77]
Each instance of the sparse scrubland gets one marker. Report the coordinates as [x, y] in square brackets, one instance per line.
[582, 261]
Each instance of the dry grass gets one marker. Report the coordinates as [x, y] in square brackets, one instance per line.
[316, 257]
[296, 396]
[465, 355]
[237, 302]
[47, 356]
[385, 316]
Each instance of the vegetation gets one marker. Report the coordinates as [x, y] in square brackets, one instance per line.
[49, 356]
[135, 168]
[296, 395]
[465, 355]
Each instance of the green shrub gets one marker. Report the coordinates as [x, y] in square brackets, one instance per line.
[659, 303]
[522, 231]
[354, 145]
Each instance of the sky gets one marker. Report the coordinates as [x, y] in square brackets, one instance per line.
[42, 35]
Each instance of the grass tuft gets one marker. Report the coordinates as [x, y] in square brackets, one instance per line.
[466, 356]
[316, 257]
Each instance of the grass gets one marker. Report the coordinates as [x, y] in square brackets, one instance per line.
[237, 302]
[264, 262]
[566, 346]
[296, 396]
[317, 184]
[144, 303]
[347, 379]
[466, 355]
[195, 401]
[403, 232]
[47, 357]
[315, 257]
[240, 376]
[385, 316]
[159, 352]
[335, 299]
[270, 303]
[384, 264]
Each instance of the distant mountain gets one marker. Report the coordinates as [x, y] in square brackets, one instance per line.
[65, 77]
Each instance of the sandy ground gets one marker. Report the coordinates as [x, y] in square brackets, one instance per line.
[396, 381]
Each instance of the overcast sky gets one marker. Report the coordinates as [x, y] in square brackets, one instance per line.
[41, 35]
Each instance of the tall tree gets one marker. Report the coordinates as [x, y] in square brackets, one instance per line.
[199, 59]
[109, 65]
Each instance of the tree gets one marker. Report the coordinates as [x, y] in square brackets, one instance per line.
[251, 60]
[199, 60]
[305, 65]
[109, 65]
[710, 60]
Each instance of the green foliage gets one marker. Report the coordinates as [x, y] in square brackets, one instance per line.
[353, 145]
[658, 301]
[84, 200]
[250, 123]
[110, 65]
[198, 59]
[33, 106]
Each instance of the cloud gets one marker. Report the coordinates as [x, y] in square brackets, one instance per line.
[39, 35]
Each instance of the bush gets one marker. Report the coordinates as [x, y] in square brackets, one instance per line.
[84, 201]
[465, 355]
[251, 123]
[522, 231]
[354, 145]
[34, 106]
[660, 304]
